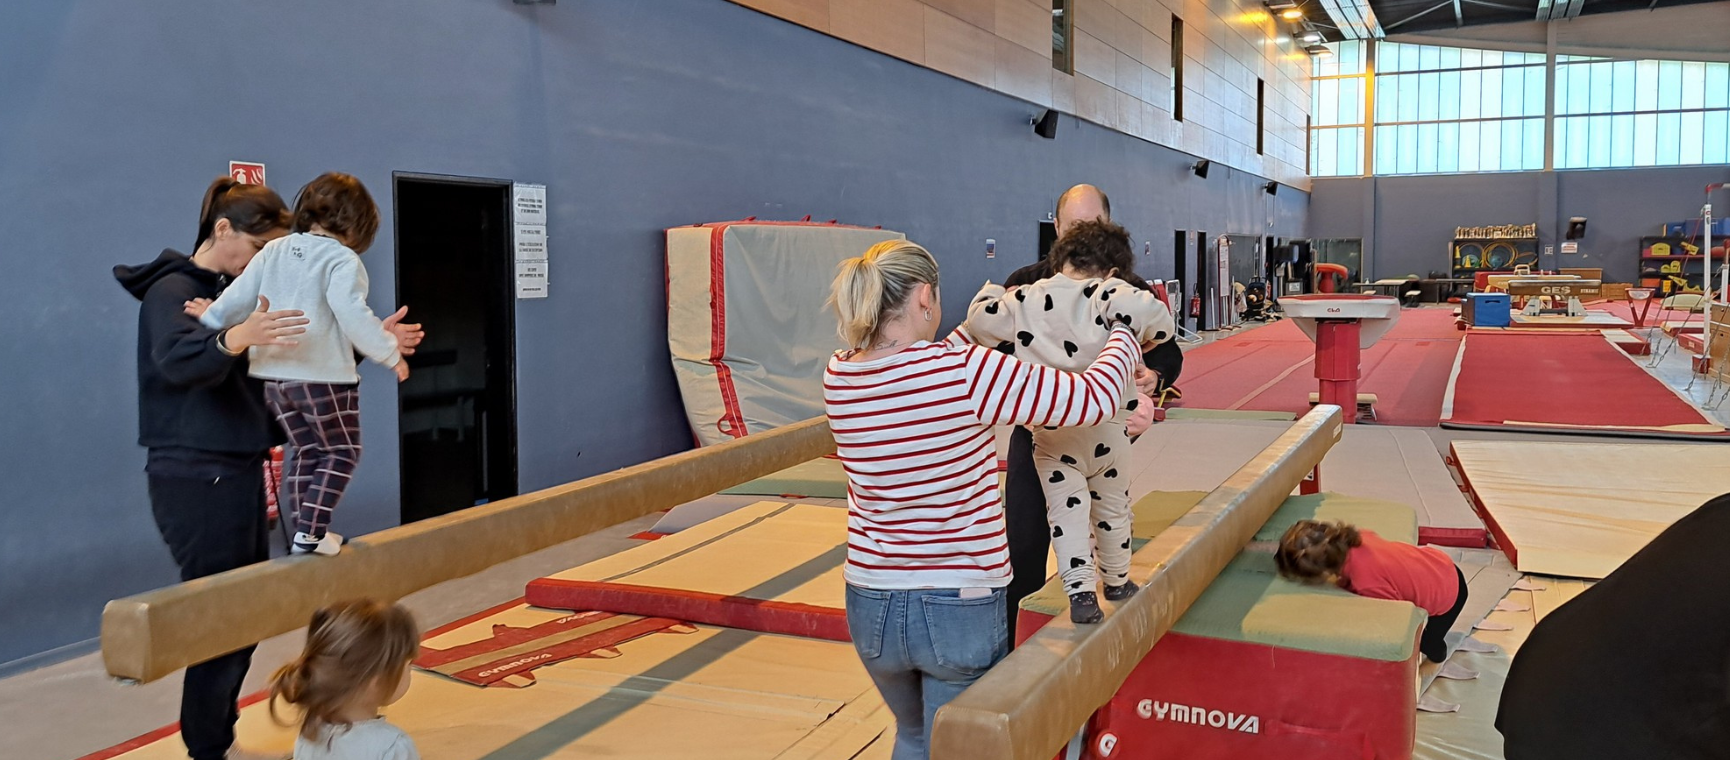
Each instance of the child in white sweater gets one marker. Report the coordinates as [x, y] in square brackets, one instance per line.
[312, 387]
[1063, 322]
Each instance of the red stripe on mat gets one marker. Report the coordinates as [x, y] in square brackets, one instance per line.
[1565, 382]
[1464, 538]
[806, 620]
[144, 740]
[1483, 511]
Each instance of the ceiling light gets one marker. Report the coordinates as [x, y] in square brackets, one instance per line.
[1318, 50]
[1291, 14]
[1280, 5]
[1312, 37]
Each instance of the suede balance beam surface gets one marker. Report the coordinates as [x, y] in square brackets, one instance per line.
[1031, 704]
[151, 635]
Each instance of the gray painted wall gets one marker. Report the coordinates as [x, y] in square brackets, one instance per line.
[638, 116]
[1414, 217]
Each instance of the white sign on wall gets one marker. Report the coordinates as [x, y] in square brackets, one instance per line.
[529, 212]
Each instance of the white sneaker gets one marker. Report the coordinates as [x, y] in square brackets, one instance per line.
[328, 546]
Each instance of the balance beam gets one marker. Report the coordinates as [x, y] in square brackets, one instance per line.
[1031, 704]
[153, 634]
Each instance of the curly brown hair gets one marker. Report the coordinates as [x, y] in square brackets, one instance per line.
[1313, 552]
[341, 205]
[1094, 248]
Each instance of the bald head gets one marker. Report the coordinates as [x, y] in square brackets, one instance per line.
[1080, 204]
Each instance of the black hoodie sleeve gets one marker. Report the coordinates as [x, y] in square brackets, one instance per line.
[184, 350]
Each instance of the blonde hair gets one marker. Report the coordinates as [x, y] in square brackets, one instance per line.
[350, 646]
[870, 289]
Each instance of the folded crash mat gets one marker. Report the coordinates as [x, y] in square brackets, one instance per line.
[1385, 463]
[820, 478]
[1261, 667]
[747, 322]
[1581, 509]
[772, 567]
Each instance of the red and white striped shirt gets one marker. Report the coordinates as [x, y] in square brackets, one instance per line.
[914, 432]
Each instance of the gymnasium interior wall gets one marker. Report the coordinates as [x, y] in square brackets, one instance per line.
[1413, 217]
[637, 116]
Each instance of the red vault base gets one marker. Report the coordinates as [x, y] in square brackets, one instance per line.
[1198, 698]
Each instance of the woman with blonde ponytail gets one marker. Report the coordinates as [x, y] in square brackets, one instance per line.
[913, 421]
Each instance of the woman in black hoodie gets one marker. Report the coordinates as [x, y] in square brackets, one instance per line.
[206, 426]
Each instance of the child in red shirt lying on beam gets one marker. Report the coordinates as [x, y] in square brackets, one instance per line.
[1359, 561]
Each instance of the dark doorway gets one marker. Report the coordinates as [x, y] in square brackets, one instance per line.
[1206, 266]
[1180, 263]
[1047, 238]
[457, 411]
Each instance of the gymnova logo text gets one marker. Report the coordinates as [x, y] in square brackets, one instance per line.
[1198, 716]
[514, 664]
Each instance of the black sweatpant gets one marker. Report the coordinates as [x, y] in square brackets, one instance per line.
[1026, 526]
[1434, 644]
[212, 525]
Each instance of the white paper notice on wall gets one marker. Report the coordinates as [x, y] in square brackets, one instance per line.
[530, 202]
[1570, 247]
[531, 279]
[531, 242]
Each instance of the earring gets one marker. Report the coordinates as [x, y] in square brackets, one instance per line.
[928, 315]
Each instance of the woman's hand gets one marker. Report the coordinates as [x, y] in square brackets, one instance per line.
[401, 370]
[1147, 381]
[407, 336]
[196, 307]
[265, 328]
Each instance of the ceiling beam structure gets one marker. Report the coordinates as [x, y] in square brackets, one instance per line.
[1420, 14]
[1355, 19]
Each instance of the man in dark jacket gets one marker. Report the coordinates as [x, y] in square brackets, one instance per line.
[1638, 666]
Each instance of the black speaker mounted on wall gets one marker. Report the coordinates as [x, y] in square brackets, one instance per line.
[1201, 168]
[1576, 227]
[1045, 124]
[1271, 188]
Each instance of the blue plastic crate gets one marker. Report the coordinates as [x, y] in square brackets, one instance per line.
[1491, 310]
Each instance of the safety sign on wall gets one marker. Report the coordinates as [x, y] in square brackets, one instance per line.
[246, 172]
[529, 212]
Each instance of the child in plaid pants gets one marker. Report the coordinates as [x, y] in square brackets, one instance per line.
[312, 387]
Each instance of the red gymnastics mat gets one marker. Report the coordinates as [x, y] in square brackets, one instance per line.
[1272, 369]
[1564, 382]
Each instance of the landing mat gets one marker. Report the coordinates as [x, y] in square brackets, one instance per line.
[1565, 382]
[1581, 509]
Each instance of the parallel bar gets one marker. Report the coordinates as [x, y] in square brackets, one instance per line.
[153, 634]
[1030, 705]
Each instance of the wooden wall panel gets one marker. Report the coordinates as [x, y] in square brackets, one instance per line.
[1122, 52]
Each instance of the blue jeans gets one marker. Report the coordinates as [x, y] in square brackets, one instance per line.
[922, 647]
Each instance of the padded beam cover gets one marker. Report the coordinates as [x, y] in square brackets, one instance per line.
[148, 636]
[1031, 704]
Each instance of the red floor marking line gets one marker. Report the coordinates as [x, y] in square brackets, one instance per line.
[145, 740]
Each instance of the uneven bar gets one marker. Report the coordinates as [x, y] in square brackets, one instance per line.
[1031, 704]
[150, 635]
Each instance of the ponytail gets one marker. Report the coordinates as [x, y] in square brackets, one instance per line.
[252, 209]
[1312, 551]
[873, 288]
[350, 646]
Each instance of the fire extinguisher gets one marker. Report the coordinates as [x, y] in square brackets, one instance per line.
[1195, 307]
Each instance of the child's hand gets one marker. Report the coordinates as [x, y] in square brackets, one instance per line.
[196, 307]
[401, 370]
